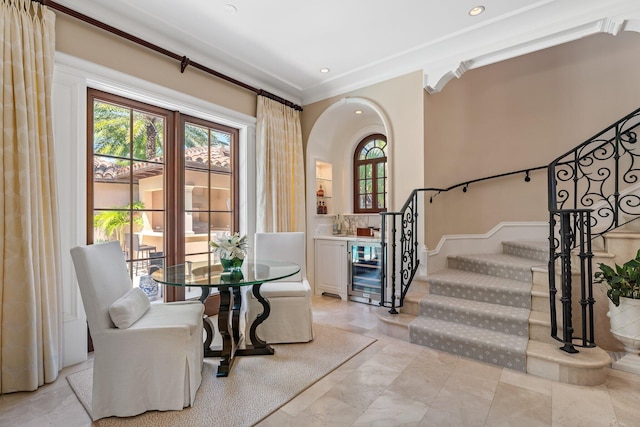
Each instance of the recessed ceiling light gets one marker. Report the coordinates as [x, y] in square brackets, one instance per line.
[230, 9]
[324, 70]
[358, 111]
[476, 11]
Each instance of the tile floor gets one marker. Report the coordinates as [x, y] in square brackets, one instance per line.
[394, 383]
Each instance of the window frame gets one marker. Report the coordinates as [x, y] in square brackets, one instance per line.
[357, 162]
[174, 175]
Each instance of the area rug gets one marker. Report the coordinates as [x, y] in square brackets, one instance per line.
[256, 387]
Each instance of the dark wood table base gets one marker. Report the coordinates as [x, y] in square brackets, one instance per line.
[230, 304]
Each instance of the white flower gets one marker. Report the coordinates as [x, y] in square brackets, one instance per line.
[230, 247]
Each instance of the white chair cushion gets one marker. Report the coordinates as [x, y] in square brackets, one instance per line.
[130, 307]
[171, 314]
[284, 289]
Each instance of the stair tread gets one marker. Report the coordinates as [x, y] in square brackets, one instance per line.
[478, 307]
[585, 358]
[470, 278]
[503, 259]
[472, 334]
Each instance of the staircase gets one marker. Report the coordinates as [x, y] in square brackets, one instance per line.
[479, 307]
[495, 308]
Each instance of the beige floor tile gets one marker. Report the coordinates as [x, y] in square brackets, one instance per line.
[456, 408]
[327, 411]
[527, 382]
[581, 406]
[474, 378]
[625, 398]
[516, 406]
[392, 409]
[422, 380]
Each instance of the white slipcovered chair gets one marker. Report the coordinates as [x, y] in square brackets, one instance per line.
[147, 356]
[291, 317]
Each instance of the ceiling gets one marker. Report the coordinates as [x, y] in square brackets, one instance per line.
[281, 45]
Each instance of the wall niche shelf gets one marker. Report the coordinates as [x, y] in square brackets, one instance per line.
[324, 188]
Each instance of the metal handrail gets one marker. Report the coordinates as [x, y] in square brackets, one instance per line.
[408, 239]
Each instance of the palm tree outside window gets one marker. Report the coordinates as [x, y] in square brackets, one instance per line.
[370, 175]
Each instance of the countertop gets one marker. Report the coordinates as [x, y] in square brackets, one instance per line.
[346, 237]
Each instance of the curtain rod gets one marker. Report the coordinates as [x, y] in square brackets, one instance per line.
[184, 61]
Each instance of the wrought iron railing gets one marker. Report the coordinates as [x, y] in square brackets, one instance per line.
[593, 189]
[399, 239]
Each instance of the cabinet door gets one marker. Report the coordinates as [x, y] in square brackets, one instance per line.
[331, 267]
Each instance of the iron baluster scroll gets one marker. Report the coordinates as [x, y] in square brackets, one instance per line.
[593, 189]
[407, 240]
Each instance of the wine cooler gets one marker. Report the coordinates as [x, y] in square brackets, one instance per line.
[365, 272]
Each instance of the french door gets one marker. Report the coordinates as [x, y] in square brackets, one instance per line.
[161, 183]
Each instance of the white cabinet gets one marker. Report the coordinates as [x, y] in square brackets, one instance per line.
[331, 267]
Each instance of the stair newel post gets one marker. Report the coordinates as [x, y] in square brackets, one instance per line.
[551, 182]
[581, 226]
[590, 300]
[383, 254]
[393, 265]
[566, 242]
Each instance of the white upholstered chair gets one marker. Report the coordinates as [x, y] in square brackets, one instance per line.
[291, 317]
[147, 356]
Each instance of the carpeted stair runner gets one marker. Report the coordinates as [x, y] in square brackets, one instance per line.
[479, 307]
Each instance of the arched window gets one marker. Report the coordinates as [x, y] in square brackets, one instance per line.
[370, 175]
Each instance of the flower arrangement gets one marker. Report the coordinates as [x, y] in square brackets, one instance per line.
[230, 247]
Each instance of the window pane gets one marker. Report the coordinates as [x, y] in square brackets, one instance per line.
[148, 135]
[380, 188]
[362, 201]
[367, 204]
[368, 186]
[362, 187]
[110, 225]
[195, 136]
[375, 153]
[381, 169]
[111, 125]
[381, 201]
[368, 171]
[362, 171]
[110, 182]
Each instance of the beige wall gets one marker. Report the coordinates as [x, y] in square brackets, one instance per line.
[402, 103]
[84, 41]
[517, 114]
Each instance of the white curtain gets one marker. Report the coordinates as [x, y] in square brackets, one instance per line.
[279, 168]
[30, 288]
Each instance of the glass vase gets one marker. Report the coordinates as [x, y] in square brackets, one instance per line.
[231, 264]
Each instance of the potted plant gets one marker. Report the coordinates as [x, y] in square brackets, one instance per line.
[231, 251]
[623, 290]
[623, 281]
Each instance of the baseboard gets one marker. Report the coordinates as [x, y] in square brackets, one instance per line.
[490, 242]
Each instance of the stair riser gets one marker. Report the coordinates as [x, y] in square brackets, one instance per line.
[624, 248]
[410, 307]
[493, 296]
[540, 303]
[490, 321]
[511, 248]
[461, 347]
[522, 274]
[542, 333]
[540, 278]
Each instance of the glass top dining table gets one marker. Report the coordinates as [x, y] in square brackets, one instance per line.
[254, 272]
[205, 274]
